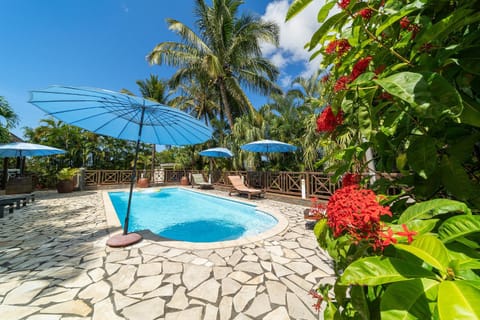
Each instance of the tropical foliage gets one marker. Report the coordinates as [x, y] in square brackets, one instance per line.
[223, 56]
[8, 120]
[406, 81]
[405, 84]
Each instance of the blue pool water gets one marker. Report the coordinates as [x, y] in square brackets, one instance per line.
[180, 214]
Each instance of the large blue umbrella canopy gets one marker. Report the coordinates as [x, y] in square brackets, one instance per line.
[24, 149]
[267, 146]
[217, 153]
[121, 116]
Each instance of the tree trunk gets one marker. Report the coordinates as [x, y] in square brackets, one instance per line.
[226, 104]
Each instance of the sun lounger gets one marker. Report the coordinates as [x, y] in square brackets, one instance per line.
[197, 180]
[17, 200]
[239, 187]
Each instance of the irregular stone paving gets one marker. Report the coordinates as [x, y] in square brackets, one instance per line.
[54, 265]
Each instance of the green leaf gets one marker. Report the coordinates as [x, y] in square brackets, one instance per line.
[431, 208]
[421, 156]
[471, 112]
[364, 114]
[451, 23]
[429, 249]
[458, 300]
[458, 226]
[410, 299]
[325, 10]
[410, 87]
[406, 10]
[422, 226]
[457, 181]
[324, 28]
[445, 99]
[296, 7]
[359, 301]
[372, 271]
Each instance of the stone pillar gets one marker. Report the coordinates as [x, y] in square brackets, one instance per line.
[81, 179]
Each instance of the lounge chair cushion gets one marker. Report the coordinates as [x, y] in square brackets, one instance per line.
[198, 180]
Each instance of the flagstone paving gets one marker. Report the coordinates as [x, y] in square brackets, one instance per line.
[54, 264]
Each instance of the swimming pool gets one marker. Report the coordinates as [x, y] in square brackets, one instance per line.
[180, 214]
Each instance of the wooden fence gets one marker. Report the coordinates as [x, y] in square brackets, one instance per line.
[313, 184]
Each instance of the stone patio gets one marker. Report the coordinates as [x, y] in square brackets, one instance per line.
[54, 264]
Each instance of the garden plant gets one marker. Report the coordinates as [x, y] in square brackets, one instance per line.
[403, 84]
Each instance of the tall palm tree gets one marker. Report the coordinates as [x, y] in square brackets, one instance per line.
[226, 51]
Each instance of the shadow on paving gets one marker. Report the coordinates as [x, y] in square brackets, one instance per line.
[52, 242]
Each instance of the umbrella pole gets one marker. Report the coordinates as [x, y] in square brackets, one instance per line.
[134, 173]
[126, 239]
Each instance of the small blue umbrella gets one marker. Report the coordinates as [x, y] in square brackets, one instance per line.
[121, 116]
[217, 153]
[24, 149]
[267, 146]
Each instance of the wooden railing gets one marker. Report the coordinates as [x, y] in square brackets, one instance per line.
[315, 184]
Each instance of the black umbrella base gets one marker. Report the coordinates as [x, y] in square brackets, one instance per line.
[123, 240]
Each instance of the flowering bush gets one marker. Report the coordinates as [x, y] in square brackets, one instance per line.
[407, 83]
[327, 121]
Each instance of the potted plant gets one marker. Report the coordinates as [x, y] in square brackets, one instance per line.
[143, 181]
[65, 180]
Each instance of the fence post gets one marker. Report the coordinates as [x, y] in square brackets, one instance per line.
[304, 191]
[81, 179]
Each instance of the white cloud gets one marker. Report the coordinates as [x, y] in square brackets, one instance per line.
[294, 34]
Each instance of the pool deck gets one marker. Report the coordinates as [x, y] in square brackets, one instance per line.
[54, 265]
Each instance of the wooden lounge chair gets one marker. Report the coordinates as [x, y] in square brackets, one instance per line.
[199, 181]
[239, 187]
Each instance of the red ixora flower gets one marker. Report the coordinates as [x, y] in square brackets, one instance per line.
[407, 233]
[360, 67]
[350, 179]
[405, 23]
[339, 46]
[327, 121]
[366, 13]
[356, 212]
[341, 84]
[343, 4]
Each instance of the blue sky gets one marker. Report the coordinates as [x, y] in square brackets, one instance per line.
[103, 43]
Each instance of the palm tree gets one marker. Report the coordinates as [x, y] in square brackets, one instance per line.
[226, 51]
[10, 119]
[156, 90]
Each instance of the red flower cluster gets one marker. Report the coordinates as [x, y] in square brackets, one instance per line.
[360, 67]
[327, 121]
[341, 84]
[350, 179]
[356, 212]
[388, 238]
[317, 208]
[343, 4]
[340, 46]
[407, 25]
[366, 13]
[319, 299]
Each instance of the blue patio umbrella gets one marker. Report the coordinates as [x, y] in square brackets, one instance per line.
[215, 153]
[121, 116]
[24, 149]
[267, 146]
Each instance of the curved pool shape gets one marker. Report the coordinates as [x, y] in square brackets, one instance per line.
[179, 214]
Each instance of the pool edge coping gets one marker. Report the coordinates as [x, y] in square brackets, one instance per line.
[114, 226]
